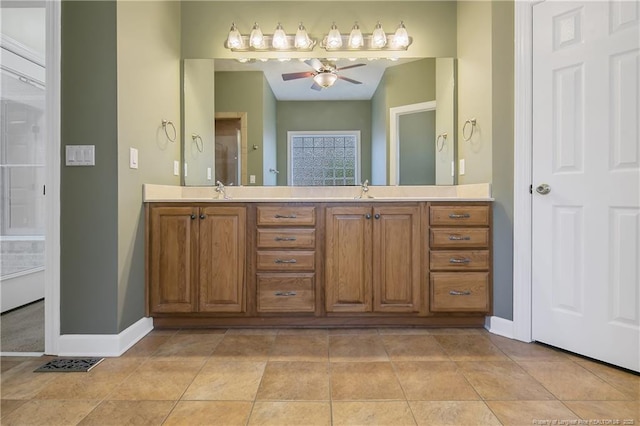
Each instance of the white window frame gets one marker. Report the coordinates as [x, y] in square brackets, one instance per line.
[316, 133]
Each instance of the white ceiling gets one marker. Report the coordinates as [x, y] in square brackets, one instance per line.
[300, 89]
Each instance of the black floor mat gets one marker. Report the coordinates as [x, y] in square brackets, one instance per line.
[68, 365]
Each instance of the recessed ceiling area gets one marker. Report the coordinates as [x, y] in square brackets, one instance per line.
[300, 89]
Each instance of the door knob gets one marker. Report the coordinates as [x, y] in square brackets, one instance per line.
[543, 189]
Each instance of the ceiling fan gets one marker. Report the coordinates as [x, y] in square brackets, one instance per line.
[324, 75]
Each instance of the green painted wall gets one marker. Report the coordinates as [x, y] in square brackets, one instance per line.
[243, 92]
[89, 195]
[379, 119]
[148, 91]
[269, 159]
[502, 65]
[324, 115]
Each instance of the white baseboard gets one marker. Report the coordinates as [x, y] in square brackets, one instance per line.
[500, 326]
[99, 345]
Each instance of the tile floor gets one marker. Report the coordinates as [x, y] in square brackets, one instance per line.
[321, 377]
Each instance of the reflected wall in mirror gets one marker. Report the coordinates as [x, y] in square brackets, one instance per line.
[275, 105]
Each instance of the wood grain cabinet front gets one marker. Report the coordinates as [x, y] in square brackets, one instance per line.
[372, 258]
[460, 258]
[197, 259]
[285, 259]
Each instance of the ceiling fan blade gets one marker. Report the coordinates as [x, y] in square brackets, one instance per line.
[316, 86]
[314, 63]
[350, 66]
[350, 80]
[295, 75]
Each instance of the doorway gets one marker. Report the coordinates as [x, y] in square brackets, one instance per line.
[23, 173]
[228, 139]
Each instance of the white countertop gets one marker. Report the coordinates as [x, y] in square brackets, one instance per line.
[265, 194]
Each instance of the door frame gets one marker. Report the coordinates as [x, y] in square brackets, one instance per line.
[52, 199]
[523, 168]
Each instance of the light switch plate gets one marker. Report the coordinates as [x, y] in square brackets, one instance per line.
[133, 158]
[80, 155]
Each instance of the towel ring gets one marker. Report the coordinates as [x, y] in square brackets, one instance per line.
[167, 123]
[196, 137]
[464, 129]
[442, 136]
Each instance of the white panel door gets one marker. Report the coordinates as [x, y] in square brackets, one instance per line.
[586, 148]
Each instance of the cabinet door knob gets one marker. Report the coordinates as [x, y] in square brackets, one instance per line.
[377, 216]
[202, 216]
[193, 216]
[368, 216]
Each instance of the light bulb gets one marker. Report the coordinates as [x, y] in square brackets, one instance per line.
[302, 40]
[355, 38]
[378, 38]
[256, 40]
[401, 37]
[280, 38]
[334, 39]
[234, 40]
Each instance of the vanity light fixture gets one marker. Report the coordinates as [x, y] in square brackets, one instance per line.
[355, 38]
[357, 41]
[279, 41]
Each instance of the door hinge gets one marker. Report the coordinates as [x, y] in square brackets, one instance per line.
[530, 189]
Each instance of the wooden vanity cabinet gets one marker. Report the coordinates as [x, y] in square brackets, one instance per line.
[285, 259]
[460, 257]
[372, 258]
[197, 259]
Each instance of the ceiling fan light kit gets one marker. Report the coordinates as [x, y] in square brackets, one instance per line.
[334, 41]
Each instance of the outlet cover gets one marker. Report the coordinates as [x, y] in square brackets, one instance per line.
[208, 173]
[462, 166]
[176, 168]
[252, 178]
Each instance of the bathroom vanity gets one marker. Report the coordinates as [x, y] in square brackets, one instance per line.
[314, 257]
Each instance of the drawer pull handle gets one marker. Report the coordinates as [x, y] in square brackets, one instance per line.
[459, 237]
[459, 216]
[285, 216]
[285, 293]
[285, 238]
[460, 293]
[458, 260]
[285, 261]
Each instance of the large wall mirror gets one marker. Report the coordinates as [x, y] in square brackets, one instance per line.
[237, 117]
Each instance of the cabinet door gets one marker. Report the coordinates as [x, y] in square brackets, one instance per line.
[396, 259]
[173, 252]
[222, 259]
[348, 259]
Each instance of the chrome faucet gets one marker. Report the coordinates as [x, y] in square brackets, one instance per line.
[364, 190]
[221, 190]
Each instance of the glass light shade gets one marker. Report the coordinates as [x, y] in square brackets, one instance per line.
[378, 38]
[334, 39]
[234, 40]
[280, 38]
[302, 40]
[325, 79]
[401, 37]
[355, 38]
[256, 39]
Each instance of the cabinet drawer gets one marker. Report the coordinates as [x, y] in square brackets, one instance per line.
[459, 260]
[286, 260]
[459, 237]
[459, 291]
[459, 215]
[286, 215]
[287, 238]
[286, 293]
